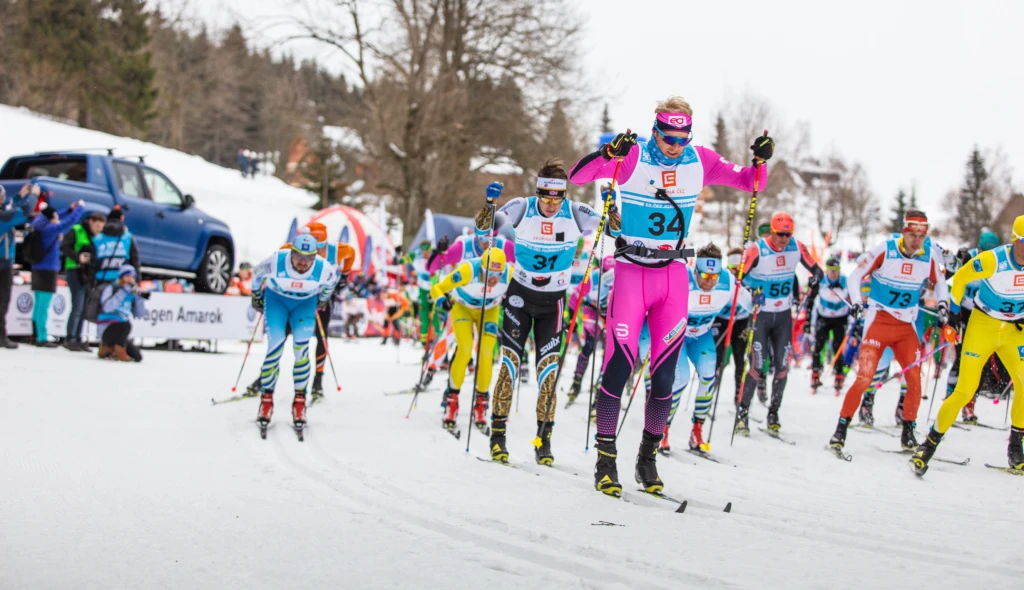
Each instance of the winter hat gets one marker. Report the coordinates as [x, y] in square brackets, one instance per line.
[127, 269]
[304, 243]
[782, 222]
[1018, 228]
[832, 263]
[115, 214]
[988, 240]
[48, 211]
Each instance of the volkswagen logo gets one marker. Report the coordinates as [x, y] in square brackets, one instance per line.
[59, 304]
[25, 302]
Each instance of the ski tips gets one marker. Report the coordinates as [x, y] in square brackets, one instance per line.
[728, 507]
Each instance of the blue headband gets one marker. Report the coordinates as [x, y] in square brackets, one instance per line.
[709, 265]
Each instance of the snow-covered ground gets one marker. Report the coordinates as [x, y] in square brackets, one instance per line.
[258, 210]
[124, 476]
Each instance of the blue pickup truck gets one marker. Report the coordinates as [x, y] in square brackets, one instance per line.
[174, 237]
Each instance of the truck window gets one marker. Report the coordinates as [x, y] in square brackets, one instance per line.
[160, 189]
[128, 181]
[60, 167]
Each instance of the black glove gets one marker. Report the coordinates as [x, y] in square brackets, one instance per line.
[942, 317]
[443, 243]
[963, 255]
[857, 311]
[954, 321]
[763, 148]
[620, 146]
[257, 300]
[807, 327]
[445, 303]
[813, 281]
[321, 304]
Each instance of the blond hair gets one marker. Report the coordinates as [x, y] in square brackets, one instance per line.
[674, 104]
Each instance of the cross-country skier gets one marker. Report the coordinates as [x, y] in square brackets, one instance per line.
[546, 228]
[831, 315]
[995, 326]
[659, 184]
[770, 269]
[595, 308]
[290, 286]
[419, 263]
[740, 328]
[468, 295]
[899, 268]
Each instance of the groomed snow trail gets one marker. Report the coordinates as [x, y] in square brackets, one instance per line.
[125, 476]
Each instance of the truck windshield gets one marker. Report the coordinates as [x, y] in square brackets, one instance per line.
[60, 167]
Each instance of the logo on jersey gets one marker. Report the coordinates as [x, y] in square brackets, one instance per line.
[515, 301]
[1018, 280]
[668, 178]
[622, 331]
[907, 269]
[704, 300]
[675, 332]
[547, 228]
[780, 261]
[1020, 351]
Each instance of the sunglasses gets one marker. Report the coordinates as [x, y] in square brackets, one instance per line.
[708, 275]
[784, 234]
[673, 140]
[551, 200]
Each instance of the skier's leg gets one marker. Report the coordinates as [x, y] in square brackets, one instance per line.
[740, 335]
[462, 324]
[547, 330]
[762, 331]
[302, 320]
[484, 364]
[682, 376]
[821, 331]
[870, 354]
[276, 311]
[626, 311]
[701, 353]
[667, 323]
[515, 330]
[424, 311]
[782, 344]
[982, 336]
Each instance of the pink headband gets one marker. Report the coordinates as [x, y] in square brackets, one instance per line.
[675, 120]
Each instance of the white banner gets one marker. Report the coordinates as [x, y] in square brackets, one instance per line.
[177, 316]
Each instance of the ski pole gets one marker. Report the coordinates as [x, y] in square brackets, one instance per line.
[706, 447]
[931, 402]
[636, 385]
[538, 441]
[247, 349]
[909, 367]
[427, 353]
[1008, 395]
[597, 319]
[743, 379]
[327, 349]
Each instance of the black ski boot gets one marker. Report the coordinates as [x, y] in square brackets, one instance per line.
[742, 421]
[646, 473]
[606, 475]
[899, 412]
[1014, 453]
[574, 391]
[815, 381]
[253, 390]
[773, 420]
[908, 440]
[919, 462]
[762, 390]
[428, 377]
[543, 452]
[838, 439]
[499, 452]
[867, 403]
[318, 387]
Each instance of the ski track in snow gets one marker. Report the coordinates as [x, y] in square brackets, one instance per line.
[125, 476]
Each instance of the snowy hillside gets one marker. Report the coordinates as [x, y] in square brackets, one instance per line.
[125, 476]
[258, 210]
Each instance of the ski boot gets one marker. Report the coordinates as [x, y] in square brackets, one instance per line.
[542, 453]
[499, 452]
[451, 409]
[899, 412]
[266, 407]
[840, 378]
[907, 439]
[318, 387]
[815, 381]
[838, 439]
[663, 447]
[428, 377]
[480, 411]
[574, 391]
[646, 472]
[968, 414]
[606, 475]
[742, 421]
[1015, 452]
[299, 408]
[773, 420]
[524, 373]
[919, 462]
[867, 418]
[762, 391]
[253, 390]
[696, 436]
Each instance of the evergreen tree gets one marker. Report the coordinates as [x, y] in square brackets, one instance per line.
[896, 225]
[972, 209]
[131, 95]
[913, 198]
[606, 121]
[322, 169]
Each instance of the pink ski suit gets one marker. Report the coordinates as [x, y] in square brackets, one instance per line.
[659, 292]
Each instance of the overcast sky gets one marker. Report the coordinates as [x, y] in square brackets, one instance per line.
[905, 87]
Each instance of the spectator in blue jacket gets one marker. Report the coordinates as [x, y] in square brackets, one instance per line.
[13, 213]
[121, 301]
[51, 225]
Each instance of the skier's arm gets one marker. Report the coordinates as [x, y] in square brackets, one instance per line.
[459, 277]
[600, 165]
[511, 213]
[750, 260]
[587, 219]
[939, 279]
[451, 256]
[719, 171]
[816, 273]
[873, 263]
[260, 274]
[980, 267]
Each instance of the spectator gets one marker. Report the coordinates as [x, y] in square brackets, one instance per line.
[13, 213]
[121, 301]
[79, 252]
[44, 273]
[243, 162]
[115, 247]
[241, 281]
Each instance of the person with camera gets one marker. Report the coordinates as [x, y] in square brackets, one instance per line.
[79, 252]
[121, 301]
[49, 225]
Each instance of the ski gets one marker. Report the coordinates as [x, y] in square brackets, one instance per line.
[493, 462]
[703, 455]
[452, 431]
[228, 400]
[263, 426]
[777, 436]
[483, 427]
[1009, 470]
[839, 454]
[960, 426]
[909, 452]
[664, 502]
[980, 425]
[300, 431]
[315, 400]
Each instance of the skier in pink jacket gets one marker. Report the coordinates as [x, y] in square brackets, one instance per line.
[658, 184]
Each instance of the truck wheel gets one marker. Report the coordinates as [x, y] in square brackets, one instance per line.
[214, 272]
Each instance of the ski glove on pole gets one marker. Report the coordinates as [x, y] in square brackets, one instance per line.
[620, 146]
[763, 148]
